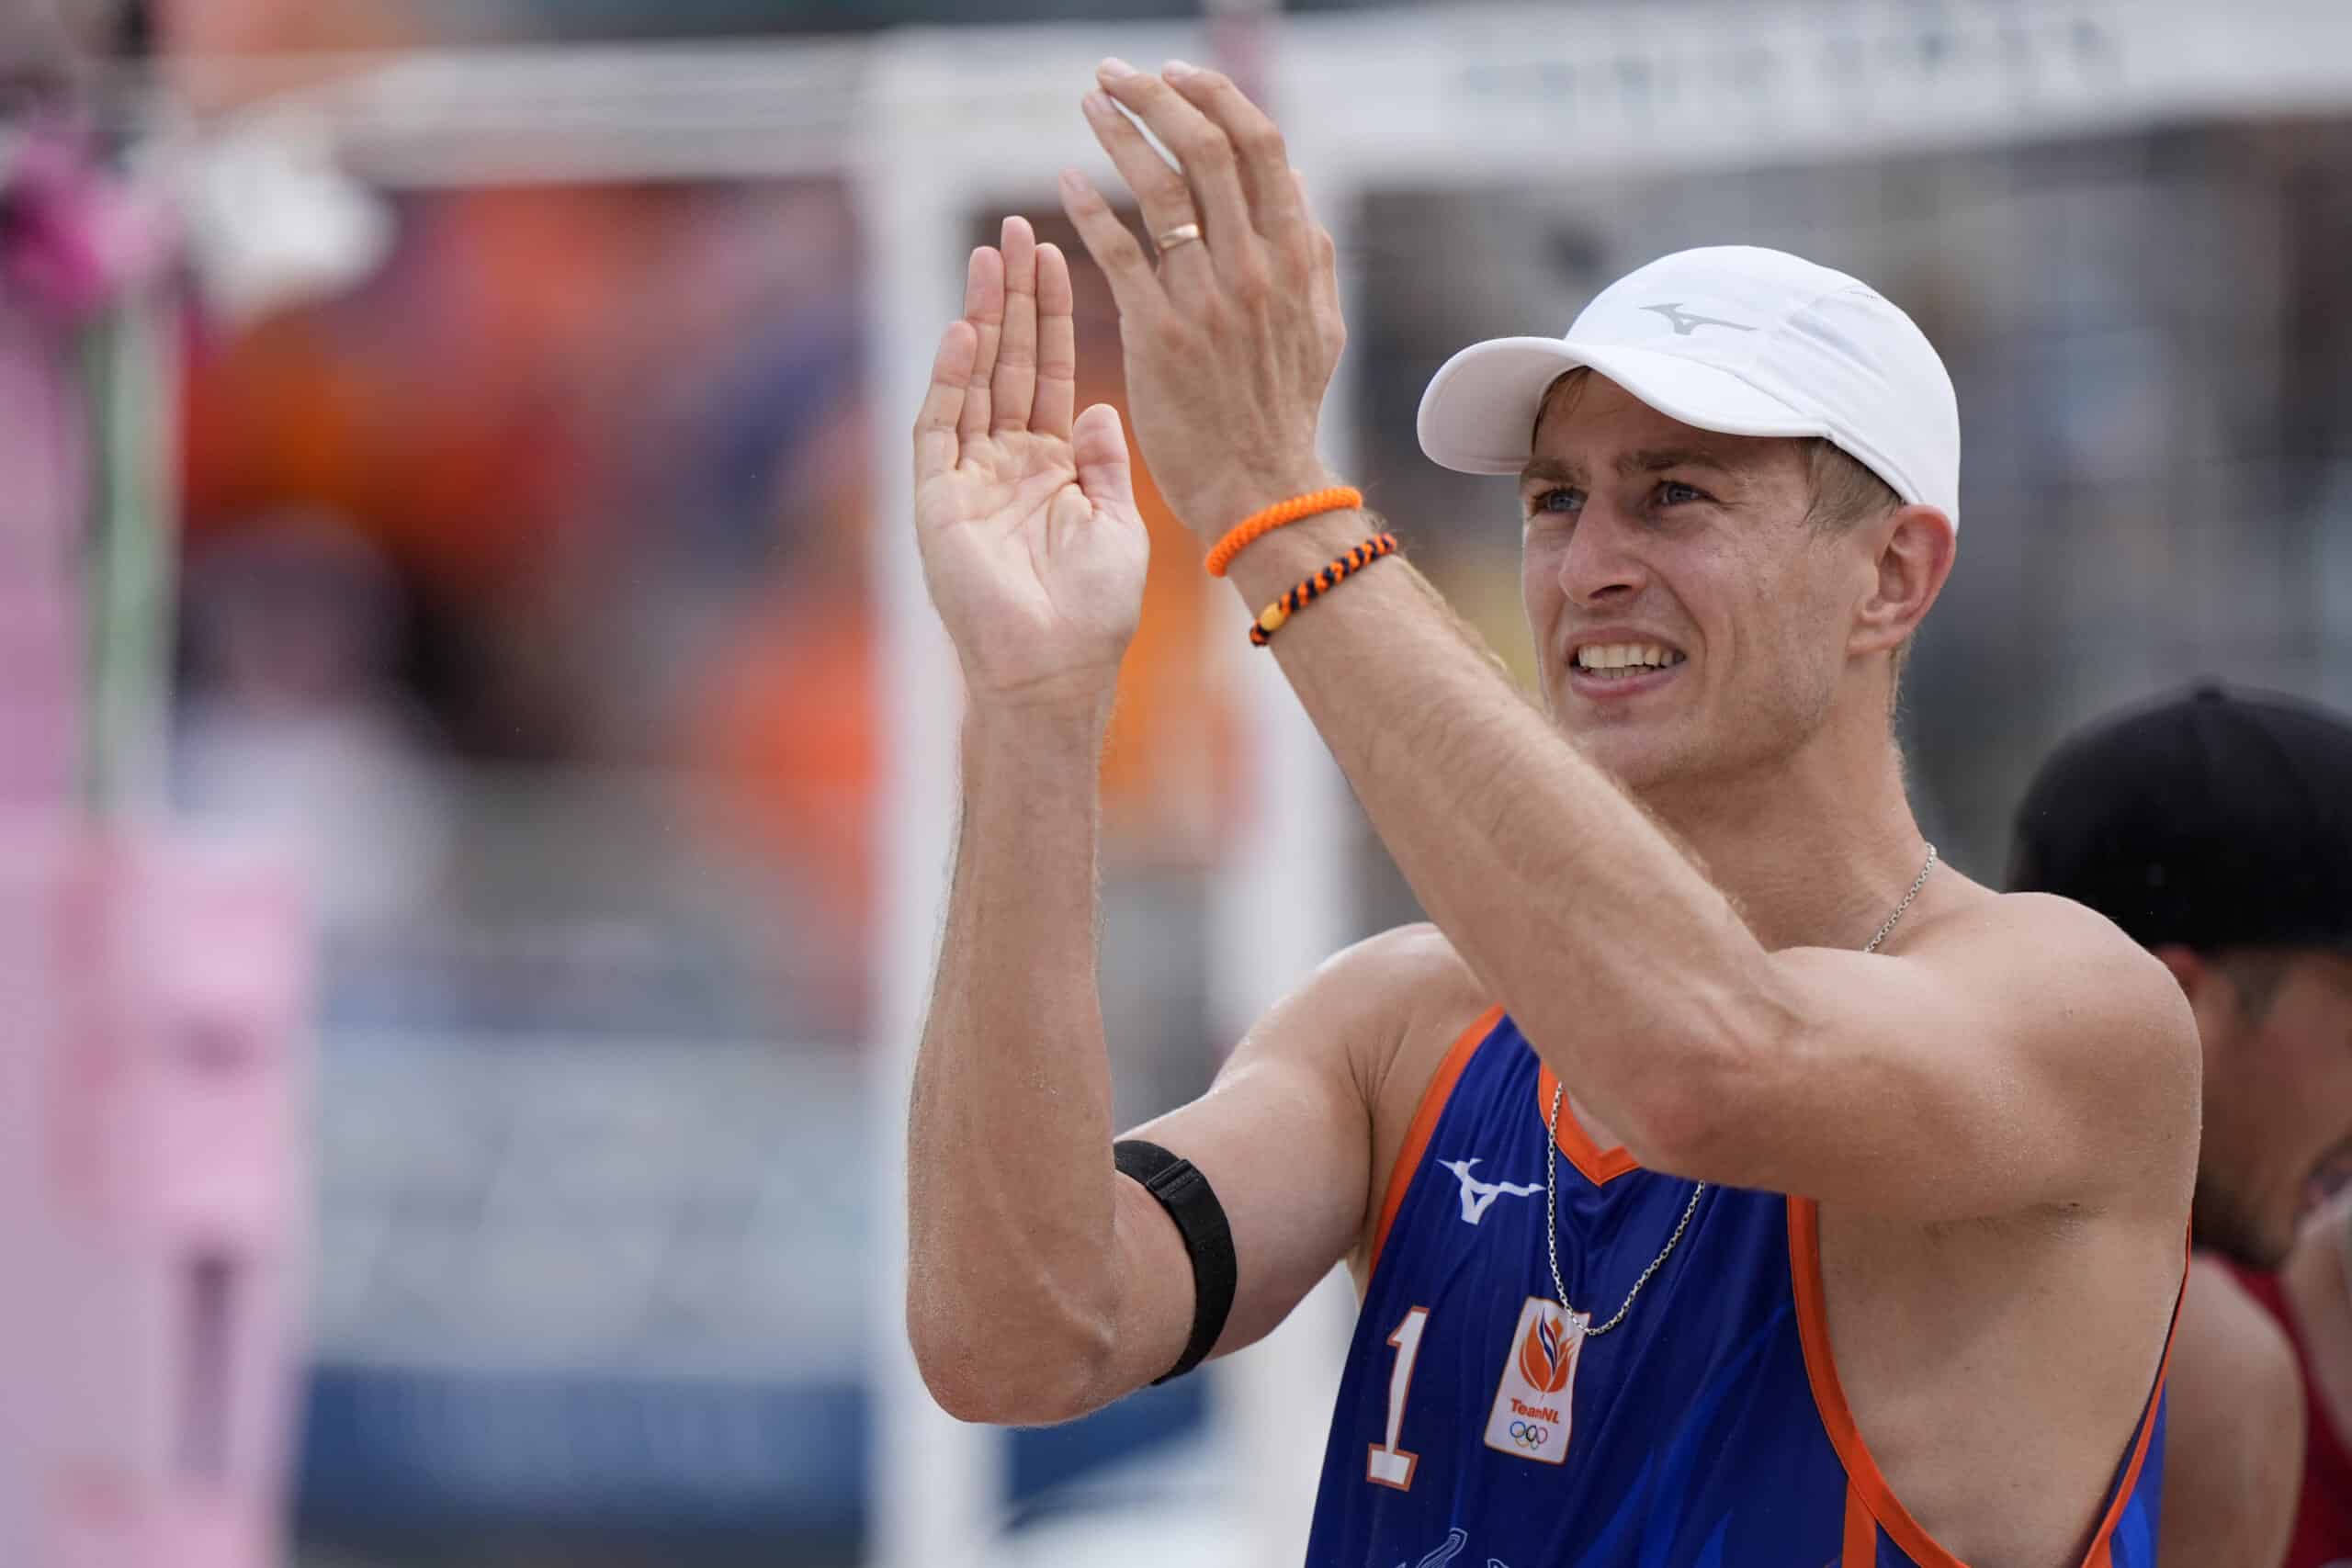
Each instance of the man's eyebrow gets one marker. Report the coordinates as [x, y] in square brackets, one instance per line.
[1650, 460]
[1658, 458]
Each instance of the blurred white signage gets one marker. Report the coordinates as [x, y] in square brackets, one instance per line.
[640, 1207]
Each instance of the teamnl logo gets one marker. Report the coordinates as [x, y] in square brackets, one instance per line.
[1534, 1396]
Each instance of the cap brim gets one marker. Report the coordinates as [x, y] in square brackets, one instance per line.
[1478, 415]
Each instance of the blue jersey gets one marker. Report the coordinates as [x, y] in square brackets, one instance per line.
[1476, 1427]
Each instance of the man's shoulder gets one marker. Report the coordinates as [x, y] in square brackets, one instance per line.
[2066, 961]
[2233, 1337]
[2096, 1022]
[1400, 973]
[2061, 930]
[2235, 1423]
[1395, 1002]
[1404, 999]
[2237, 1383]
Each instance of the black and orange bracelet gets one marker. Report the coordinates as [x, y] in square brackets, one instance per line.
[1270, 619]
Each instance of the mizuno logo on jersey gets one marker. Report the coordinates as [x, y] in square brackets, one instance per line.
[1479, 1196]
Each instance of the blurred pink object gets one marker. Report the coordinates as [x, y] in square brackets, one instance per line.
[77, 235]
[155, 1178]
[73, 239]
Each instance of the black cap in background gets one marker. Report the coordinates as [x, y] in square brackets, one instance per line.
[2214, 818]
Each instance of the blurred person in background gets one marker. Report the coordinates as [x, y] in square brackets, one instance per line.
[2311, 1297]
[1966, 1153]
[2215, 826]
[293, 722]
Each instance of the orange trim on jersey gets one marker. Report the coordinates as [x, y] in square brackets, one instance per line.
[2100, 1557]
[1861, 1533]
[1424, 1124]
[1599, 1166]
[1863, 1477]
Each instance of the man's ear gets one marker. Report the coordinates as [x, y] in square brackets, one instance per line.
[2212, 994]
[2187, 965]
[1915, 548]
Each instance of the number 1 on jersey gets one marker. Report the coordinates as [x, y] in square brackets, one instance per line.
[1388, 1465]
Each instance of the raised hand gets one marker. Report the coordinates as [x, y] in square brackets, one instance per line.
[1031, 546]
[1230, 342]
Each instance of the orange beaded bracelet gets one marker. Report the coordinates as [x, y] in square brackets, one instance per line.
[1270, 619]
[1257, 525]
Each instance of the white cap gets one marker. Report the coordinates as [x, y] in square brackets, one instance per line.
[1733, 339]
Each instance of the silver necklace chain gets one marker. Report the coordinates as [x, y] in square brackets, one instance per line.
[1900, 910]
[1698, 1189]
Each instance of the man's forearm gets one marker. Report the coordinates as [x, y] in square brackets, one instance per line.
[1011, 1291]
[1613, 950]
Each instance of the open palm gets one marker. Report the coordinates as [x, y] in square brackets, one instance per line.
[1031, 546]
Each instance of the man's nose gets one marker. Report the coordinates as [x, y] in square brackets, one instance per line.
[1601, 565]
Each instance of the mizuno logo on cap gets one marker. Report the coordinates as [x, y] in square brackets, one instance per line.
[1684, 323]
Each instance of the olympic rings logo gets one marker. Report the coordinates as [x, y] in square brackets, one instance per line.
[1530, 1434]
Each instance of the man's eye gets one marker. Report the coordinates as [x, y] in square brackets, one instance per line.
[1557, 500]
[1674, 493]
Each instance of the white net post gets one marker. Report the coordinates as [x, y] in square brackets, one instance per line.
[1284, 906]
[936, 1485]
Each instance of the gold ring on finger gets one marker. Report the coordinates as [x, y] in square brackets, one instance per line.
[1184, 234]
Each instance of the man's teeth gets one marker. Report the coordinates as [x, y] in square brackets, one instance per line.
[1625, 656]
